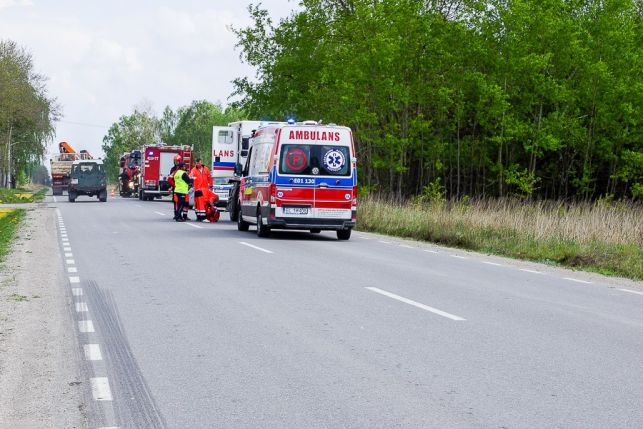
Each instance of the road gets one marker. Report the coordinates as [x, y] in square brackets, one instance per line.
[200, 325]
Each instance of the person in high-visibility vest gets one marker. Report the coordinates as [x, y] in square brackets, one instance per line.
[181, 187]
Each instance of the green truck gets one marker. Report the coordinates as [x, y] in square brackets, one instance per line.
[87, 177]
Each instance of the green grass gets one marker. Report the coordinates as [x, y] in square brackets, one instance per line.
[608, 240]
[9, 222]
[20, 195]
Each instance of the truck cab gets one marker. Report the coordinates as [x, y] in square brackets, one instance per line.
[88, 178]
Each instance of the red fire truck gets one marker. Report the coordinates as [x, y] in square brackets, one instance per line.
[158, 160]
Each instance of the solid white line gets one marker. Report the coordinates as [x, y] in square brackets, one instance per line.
[85, 326]
[530, 271]
[70, 262]
[385, 242]
[72, 270]
[193, 225]
[492, 263]
[161, 214]
[632, 291]
[416, 304]
[100, 389]
[81, 307]
[255, 247]
[458, 256]
[77, 291]
[364, 238]
[430, 251]
[74, 279]
[92, 352]
[69, 255]
[576, 280]
[406, 246]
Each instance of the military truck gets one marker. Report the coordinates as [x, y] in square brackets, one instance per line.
[88, 177]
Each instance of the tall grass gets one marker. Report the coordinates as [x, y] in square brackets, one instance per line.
[9, 221]
[603, 237]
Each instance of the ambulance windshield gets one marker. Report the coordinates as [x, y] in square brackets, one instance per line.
[314, 160]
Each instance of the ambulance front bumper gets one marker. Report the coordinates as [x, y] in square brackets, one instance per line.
[298, 223]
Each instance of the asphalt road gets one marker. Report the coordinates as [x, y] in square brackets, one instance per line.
[199, 325]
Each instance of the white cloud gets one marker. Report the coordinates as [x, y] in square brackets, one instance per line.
[10, 3]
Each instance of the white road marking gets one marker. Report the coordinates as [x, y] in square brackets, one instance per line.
[65, 240]
[85, 326]
[100, 389]
[81, 307]
[492, 263]
[632, 291]
[161, 214]
[55, 200]
[92, 352]
[576, 280]
[530, 271]
[72, 270]
[364, 238]
[77, 291]
[138, 205]
[385, 242]
[67, 249]
[74, 279]
[255, 247]
[416, 304]
[193, 225]
[69, 255]
[430, 251]
[458, 256]
[406, 246]
[70, 262]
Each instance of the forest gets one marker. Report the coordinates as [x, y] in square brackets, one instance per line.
[533, 99]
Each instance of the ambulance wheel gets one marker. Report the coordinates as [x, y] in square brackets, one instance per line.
[242, 225]
[315, 231]
[262, 230]
[344, 234]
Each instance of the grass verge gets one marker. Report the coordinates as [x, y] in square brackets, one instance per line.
[21, 195]
[608, 240]
[9, 222]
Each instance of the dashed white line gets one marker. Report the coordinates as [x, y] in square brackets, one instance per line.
[70, 262]
[138, 205]
[430, 251]
[161, 214]
[81, 307]
[72, 270]
[92, 352]
[458, 256]
[100, 389]
[631, 291]
[193, 225]
[364, 238]
[255, 247]
[67, 249]
[85, 326]
[77, 291]
[385, 242]
[576, 280]
[416, 304]
[406, 246]
[69, 255]
[55, 200]
[530, 271]
[492, 263]
[74, 279]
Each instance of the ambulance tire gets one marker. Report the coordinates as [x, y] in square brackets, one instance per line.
[262, 230]
[242, 225]
[344, 234]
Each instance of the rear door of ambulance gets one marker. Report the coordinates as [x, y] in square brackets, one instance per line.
[224, 151]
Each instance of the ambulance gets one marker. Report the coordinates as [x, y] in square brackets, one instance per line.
[299, 176]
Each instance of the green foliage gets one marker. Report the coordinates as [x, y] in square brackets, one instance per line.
[526, 97]
[9, 223]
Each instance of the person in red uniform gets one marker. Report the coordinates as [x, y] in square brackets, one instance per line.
[202, 180]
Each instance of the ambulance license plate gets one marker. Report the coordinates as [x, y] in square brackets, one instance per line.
[296, 210]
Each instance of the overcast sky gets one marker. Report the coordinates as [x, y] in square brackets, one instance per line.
[103, 58]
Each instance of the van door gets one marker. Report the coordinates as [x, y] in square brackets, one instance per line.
[335, 185]
[224, 151]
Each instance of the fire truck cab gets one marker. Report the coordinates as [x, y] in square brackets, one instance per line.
[299, 176]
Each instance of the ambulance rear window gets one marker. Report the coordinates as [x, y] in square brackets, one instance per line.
[314, 160]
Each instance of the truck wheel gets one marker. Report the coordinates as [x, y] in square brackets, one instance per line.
[233, 209]
[102, 196]
[262, 230]
[242, 225]
[72, 197]
[344, 234]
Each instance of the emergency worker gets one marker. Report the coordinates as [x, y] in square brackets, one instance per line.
[181, 187]
[202, 178]
[170, 180]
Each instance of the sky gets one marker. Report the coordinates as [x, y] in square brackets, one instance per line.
[103, 58]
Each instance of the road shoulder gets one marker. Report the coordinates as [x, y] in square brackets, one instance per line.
[41, 382]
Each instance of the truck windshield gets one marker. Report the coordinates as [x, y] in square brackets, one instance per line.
[314, 160]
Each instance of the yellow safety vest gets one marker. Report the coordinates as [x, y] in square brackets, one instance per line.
[180, 185]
